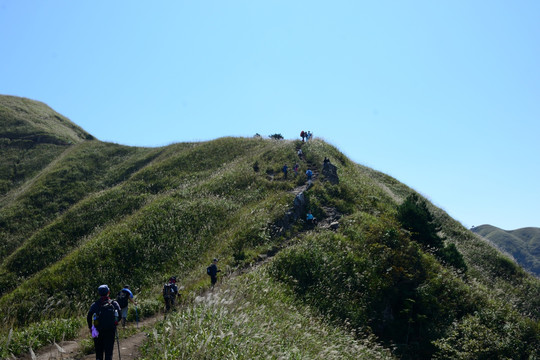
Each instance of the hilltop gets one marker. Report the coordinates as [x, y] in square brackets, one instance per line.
[523, 244]
[383, 274]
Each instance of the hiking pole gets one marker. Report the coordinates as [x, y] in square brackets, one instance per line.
[118, 342]
[136, 316]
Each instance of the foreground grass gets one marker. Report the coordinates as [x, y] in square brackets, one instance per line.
[37, 335]
[254, 317]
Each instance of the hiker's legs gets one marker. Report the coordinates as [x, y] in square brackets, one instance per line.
[124, 316]
[98, 344]
[213, 280]
[108, 344]
[167, 304]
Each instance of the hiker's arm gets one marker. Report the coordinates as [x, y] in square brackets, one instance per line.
[133, 301]
[89, 317]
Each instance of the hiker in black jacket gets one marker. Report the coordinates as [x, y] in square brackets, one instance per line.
[170, 291]
[102, 319]
[212, 270]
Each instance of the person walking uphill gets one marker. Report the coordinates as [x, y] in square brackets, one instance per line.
[212, 270]
[124, 297]
[102, 319]
[170, 291]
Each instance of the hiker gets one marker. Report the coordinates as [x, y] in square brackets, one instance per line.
[302, 135]
[326, 160]
[310, 219]
[309, 135]
[102, 319]
[285, 168]
[212, 271]
[295, 169]
[170, 291]
[124, 297]
[300, 153]
[309, 175]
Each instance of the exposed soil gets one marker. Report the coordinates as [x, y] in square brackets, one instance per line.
[71, 350]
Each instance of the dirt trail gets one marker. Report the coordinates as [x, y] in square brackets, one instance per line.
[71, 350]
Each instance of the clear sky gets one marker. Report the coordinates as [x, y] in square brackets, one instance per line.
[442, 95]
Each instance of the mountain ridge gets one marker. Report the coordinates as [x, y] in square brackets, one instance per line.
[522, 244]
[108, 213]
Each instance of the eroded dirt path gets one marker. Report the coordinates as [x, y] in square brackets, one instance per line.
[71, 350]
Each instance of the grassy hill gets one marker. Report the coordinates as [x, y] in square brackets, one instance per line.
[523, 244]
[384, 274]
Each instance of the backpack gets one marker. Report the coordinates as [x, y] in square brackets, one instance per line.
[106, 317]
[167, 290]
[209, 270]
[122, 298]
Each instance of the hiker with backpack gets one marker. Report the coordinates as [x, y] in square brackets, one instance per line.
[102, 319]
[285, 168]
[170, 291]
[212, 271]
[309, 175]
[124, 297]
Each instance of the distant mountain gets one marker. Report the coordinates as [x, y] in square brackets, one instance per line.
[523, 244]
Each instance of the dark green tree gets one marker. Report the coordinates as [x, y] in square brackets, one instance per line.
[416, 218]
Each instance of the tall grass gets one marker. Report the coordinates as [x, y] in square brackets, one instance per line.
[17, 342]
[253, 317]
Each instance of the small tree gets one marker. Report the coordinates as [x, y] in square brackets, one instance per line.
[276, 136]
[416, 218]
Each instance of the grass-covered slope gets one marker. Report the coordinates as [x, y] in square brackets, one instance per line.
[523, 244]
[396, 275]
[31, 136]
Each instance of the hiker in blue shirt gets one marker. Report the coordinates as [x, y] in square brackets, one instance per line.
[124, 297]
[310, 219]
[309, 174]
[102, 319]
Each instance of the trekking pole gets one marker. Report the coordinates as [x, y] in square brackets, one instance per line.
[137, 316]
[118, 342]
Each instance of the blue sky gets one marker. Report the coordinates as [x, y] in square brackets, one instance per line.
[442, 95]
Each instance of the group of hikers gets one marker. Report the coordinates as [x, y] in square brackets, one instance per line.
[306, 135]
[105, 313]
